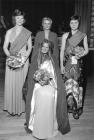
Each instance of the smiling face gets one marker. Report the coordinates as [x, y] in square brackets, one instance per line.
[19, 20]
[45, 48]
[74, 24]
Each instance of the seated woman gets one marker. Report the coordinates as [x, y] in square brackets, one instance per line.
[46, 108]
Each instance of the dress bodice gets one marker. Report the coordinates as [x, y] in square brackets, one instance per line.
[80, 43]
[49, 67]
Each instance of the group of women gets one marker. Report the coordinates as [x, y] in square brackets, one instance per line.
[48, 97]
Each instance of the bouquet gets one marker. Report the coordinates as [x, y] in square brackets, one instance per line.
[42, 76]
[15, 62]
[78, 51]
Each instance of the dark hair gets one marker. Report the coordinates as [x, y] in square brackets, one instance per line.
[46, 18]
[17, 12]
[75, 17]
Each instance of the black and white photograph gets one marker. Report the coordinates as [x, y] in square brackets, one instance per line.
[46, 69]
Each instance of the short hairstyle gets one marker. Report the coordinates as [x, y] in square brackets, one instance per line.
[17, 12]
[47, 18]
[75, 17]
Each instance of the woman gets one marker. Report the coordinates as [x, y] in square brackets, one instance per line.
[74, 48]
[17, 44]
[56, 99]
[46, 33]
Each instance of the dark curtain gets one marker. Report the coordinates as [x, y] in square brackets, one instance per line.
[0, 7]
[83, 9]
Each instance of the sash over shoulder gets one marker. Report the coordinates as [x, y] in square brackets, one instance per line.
[76, 38]
[20, 41]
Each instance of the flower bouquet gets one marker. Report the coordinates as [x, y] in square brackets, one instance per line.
[42, 76]
[78, 51]
[15, 62]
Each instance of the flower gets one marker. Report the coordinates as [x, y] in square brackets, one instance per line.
[15, 62]
[78, 51]
[42, 76]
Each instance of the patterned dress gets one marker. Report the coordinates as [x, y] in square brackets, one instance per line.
[73, 73]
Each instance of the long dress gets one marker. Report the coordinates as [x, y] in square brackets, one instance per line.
[61, 105]
[14, 80]
[43, 122]
[73, 73]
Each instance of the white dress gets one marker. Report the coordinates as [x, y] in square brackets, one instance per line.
[14, 80]
[43, 121]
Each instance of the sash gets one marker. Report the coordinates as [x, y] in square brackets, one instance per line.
[20, 41]
[76, 38]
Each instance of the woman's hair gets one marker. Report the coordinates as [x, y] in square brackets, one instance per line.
[46, 18]
[75, 17]
[17, 12]
[50, 44]
[48, 54]
[45, 41]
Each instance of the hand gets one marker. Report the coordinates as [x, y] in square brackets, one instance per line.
[11, 57]
[24, 59]
[8, 54]
[63, 70]
[77, 57]
[80, 54]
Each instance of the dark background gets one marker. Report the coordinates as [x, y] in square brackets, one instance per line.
[58, 10]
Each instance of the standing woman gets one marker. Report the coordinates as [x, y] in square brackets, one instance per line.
[46, 33]
[17, 47]
[46, 108]
[74, 48]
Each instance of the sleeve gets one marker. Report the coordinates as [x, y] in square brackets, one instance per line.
[35, 48]
[56, 48]
[36, 40]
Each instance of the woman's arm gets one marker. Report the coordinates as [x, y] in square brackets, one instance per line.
[36, 42]
[86, 50]
[63, 43]
[6, 43]
[86, 45]
[56, 47]
[29, 44]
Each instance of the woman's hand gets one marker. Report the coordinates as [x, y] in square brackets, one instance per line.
[8, 54]
[77, 57]
[62, 70]
[24, 59]
[11, 56]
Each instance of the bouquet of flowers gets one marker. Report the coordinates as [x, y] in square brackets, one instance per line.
[42, 76]
[15, 62]
[78, 51]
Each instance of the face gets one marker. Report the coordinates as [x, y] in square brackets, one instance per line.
[45, 48]
[74, 24]
[19, 20]
[46, 24]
